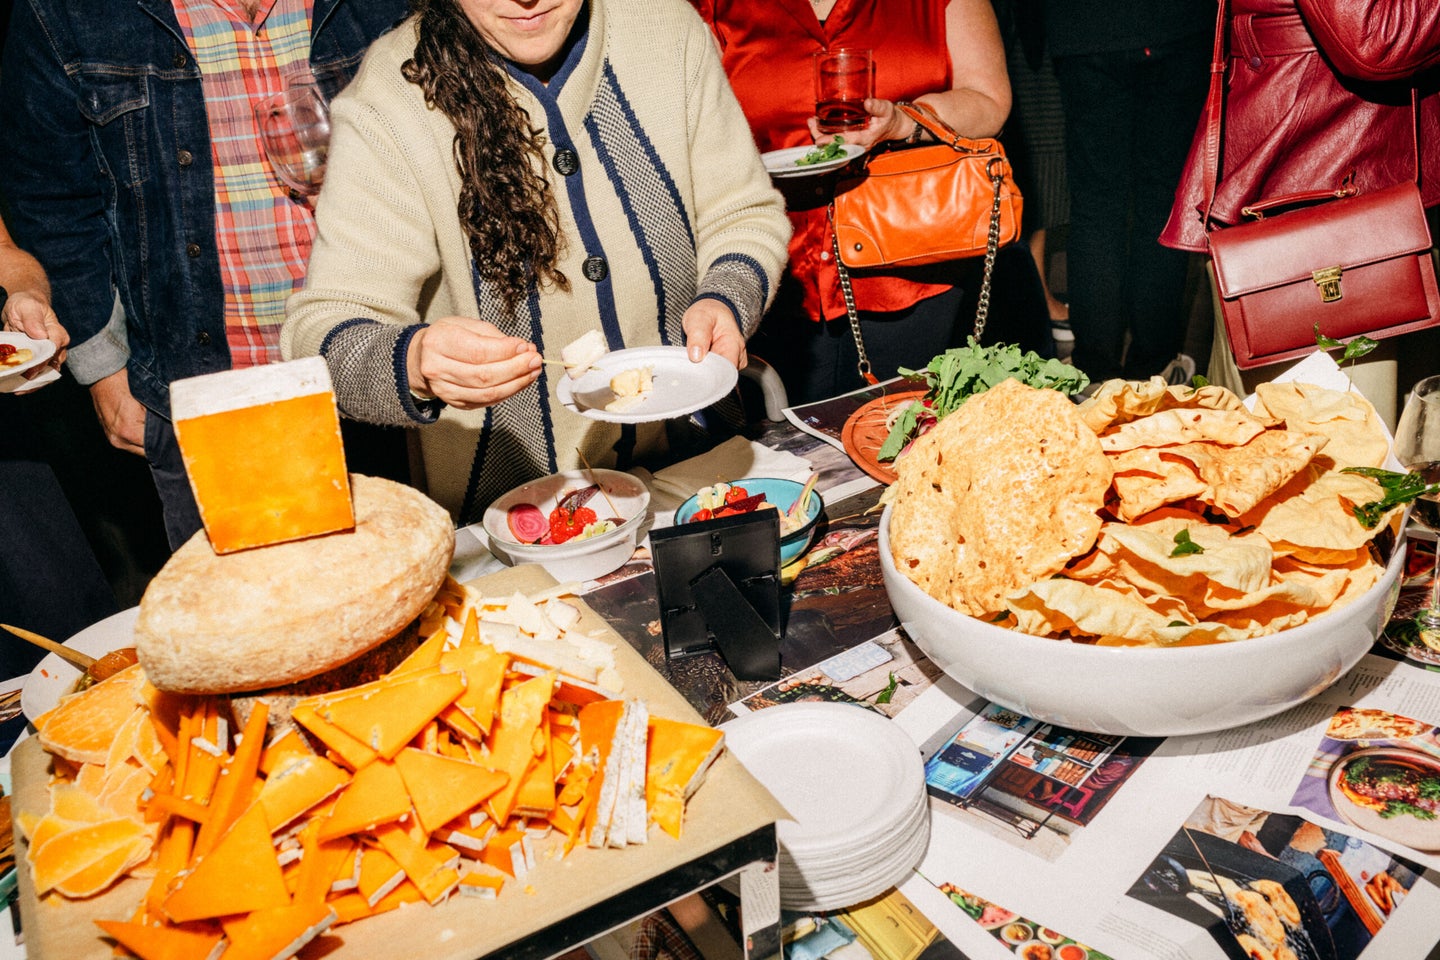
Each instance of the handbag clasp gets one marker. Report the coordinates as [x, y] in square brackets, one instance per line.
[1328, 280]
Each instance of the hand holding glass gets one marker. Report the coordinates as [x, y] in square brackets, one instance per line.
[1417, 446]
[844, 79]
[295, 128]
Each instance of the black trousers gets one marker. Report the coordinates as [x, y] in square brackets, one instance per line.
[1129, 120]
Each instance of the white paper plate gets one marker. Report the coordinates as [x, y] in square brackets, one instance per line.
[801, 751]
[781, 163]
[42, 349]
[52, 677]
[681, 387]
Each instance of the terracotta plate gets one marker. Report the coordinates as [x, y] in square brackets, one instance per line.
[865, 431]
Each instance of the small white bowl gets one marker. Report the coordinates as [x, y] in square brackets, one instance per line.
[574, 559]
[1142, 691]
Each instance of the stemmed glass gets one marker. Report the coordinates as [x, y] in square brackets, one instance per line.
[295, 128]
[1417, 446]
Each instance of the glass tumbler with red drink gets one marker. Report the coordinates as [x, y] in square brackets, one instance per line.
[844, 79]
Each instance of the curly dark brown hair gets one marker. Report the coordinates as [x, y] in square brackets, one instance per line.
[506, 208]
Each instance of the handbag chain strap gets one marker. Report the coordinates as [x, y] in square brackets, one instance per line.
[995, 170]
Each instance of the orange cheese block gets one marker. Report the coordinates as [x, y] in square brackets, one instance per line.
[442, 788]
[387, 713]
[512, 749]
[212, 889]
[83, 725]
[677, 756]
[262, 448]
[277, 931]
[376, 795]
[154, 942]
[299, 782]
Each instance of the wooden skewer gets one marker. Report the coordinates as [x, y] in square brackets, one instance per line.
[59, 649]
[614, 511]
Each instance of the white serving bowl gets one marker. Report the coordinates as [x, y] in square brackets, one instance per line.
[575, 559]
[1142, 691]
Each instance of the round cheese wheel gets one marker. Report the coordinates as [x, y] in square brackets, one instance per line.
[273, 615]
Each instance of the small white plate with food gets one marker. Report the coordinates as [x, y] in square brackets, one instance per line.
[19, 353]
[53, 677]
[645, 384]
[807, 161]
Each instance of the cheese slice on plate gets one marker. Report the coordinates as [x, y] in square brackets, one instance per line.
[678, 756]
[262, 448]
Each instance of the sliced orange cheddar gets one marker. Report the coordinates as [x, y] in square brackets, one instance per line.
[276, 931]
[431, 870]
[486, 886]
[425, 655]
[352, 752]
[123, 744]
[386, 714]
[351, 906]
[296, 784]
[484, 668]
[512, 749]
[211, 888]
[262, 449]
[156, 942]
[376, 795]
[600, 724]
[536, 796]
[442, 788]
[506, 852]
[677, 758]
[405, 892]
[379, 875]
[235, 779]
[288, 744]
[104, 870]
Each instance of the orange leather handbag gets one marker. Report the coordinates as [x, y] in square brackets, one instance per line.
[920, 205]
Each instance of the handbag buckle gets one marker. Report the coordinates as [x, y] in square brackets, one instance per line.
[1328, 280]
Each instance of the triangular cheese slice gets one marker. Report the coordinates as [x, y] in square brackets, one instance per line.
[353, 753]
[379, 875]
[536, 797]
[512, 750]
[157, 942]
[442, 788]
[484, 668]
[376, 795]
[637, 819]
[276, 932]
[432, 871]
[599, 725]
[211, 888]
[678, 755]
[290, 743]
[386, 714]
[300, 782]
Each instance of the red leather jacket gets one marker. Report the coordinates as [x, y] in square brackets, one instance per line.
[1316, 89]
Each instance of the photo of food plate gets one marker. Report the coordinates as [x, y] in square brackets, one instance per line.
[1363, 723]
[1393, 792]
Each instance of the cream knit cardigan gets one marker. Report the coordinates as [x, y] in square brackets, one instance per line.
[669, 192]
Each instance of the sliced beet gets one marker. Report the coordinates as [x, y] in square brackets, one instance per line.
[527, 522]
[746, 504]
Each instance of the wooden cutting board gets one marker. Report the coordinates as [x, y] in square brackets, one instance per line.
[730, 805]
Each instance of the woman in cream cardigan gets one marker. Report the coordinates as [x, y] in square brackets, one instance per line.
[505, 175]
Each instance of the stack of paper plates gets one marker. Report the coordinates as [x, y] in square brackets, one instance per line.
[854, 784]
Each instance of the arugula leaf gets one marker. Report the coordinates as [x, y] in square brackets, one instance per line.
[959, 373]
[1199, 381]
[1395, 488]
[884, 695]
[1324, 342]
[1354, 350]
[820, 153]
[1184, 546]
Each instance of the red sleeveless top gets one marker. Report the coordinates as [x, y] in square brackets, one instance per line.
[767, 48]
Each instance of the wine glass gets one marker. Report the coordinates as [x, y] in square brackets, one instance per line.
[1417, 446]
[295, 128]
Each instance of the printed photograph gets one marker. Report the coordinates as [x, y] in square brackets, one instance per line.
[885, 674]
[1378, 771]
[1028, 940]
[1031, 783]
[1275, 885]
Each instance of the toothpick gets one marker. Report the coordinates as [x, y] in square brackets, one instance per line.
[614, 511]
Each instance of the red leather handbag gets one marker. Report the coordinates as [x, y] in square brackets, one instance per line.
[1350, 263]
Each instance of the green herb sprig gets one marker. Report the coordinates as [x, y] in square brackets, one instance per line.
[1396, 489]
[1354, 349]
[823, 152]
[1184, 546]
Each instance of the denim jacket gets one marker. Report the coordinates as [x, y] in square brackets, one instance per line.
[107, 176]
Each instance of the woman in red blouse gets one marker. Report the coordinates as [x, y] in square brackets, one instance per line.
[946, 54]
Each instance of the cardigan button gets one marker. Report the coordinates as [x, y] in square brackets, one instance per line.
[566, 162]
[595, 269]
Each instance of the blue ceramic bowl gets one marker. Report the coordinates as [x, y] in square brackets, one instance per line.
[782, 493]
